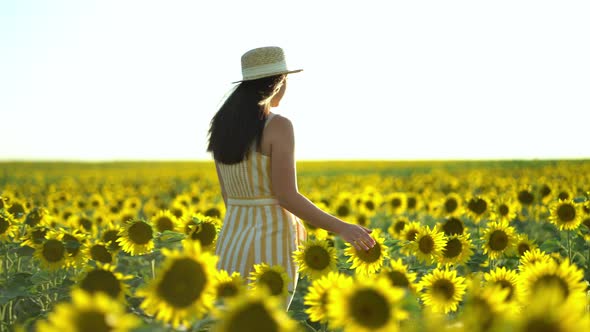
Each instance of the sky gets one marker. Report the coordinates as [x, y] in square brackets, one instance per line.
[387, 80]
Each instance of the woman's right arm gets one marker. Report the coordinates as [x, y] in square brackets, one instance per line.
[284, 187]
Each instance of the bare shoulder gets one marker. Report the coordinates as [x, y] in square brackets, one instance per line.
[279, 126]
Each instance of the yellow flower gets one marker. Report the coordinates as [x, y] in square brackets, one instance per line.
[229, 286]
[51, 252]
[442, 290]
[316, 298]
[532, 257]
[523, 244]
[8, 226]
[399, 276]
[498, 238]
[478, 208]
[315, 258]
[507, 279]
[89, 312]
[274, 278]
[366, 262]
[567, 277]
[185, 285]
[370, 304]
[428, 245]
[449, 206]
[253, 311]
[99, 251]
[203, 229]
[565, 214]
[396, 228]
[164, 220]
[396, 203]
[504, 209]
[457, 250]
[104, 279]
[452, 226]
[137, 238]
[485, 307]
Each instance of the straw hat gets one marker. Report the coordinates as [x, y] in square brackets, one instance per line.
[264, 62]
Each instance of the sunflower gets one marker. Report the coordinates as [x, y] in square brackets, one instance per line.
[498, 238]
[103, 278]
[478, 208]
[370, 304]
[75, 242]
[99, 251]
[504, 210]
[274, 278]
[316, 298]
[452, 226]
[110, 236]
[546, 311]
[366, 262]
[565, 276]
[343, 209]
[399, 276]
[450, 206]
[396, 203]
[81, 221]
[315, 258]
[34, 236]
[18, 209]
[442, 290]
[203, 229]
[532, 257]
[185, 286]
[164, 220]
[253, 311]
[8, 226]
[89, 312]
[137, 238]
[52, 252]
[525, 196]
[408, 234]
[38, 216]
[428, 245]
[396, 228]
[565, 214]
[458, 250]
[507, 279]
[485, 307]
[523, 244]
[229, 286]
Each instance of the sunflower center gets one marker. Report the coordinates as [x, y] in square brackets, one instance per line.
[586, 223]
[33, 218]
[205, 233]
[411, 235]
[426, 244]
[541, 324]
[253, 317]
[443, 288]
[4, 224]
[566, 213]
[361, 220]
[53, 250]
[273, 280]
[453, 248]
[451, 205]
[477, 205]
[453, 226]
[498, 240]
[503, 209]
[505, 284]
[92, 321]
[371, 255]
[370, 308]
[16, 209]
[398, 279]
[343, 211]
[411, 201]
[370, 205]
[38, 235]
[525, 197]
[110, 237]
[226, 289]
[100, 280]
[86, 223]
[212, 212]
[522, 248]
[550, 280]
[317, 258]
[399, 226]
[563, 195]
[183, 283]
[140, 233]
[545, 190]
[164, 224]
[72, 244]
[100, 253]
[396, 202]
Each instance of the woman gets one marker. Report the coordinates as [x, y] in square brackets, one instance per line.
[253, 150]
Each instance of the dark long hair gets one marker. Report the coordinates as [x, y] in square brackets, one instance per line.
[240, 120]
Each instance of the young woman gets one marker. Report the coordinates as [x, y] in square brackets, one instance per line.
[253, 150]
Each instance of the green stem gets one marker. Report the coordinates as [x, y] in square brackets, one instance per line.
[569, 247]
[153, 269]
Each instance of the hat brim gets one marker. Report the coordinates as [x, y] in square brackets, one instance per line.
[268, 75]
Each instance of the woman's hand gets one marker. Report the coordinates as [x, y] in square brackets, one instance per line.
[356, 235]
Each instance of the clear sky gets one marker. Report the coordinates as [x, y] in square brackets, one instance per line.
[113, 80]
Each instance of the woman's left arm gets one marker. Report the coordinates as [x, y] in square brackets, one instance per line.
[223, 193]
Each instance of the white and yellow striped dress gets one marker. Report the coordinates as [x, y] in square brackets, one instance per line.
[256, 228]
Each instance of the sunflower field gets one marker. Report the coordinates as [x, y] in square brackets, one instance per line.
[461, 246]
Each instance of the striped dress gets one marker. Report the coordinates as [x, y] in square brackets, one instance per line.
[256, 228]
